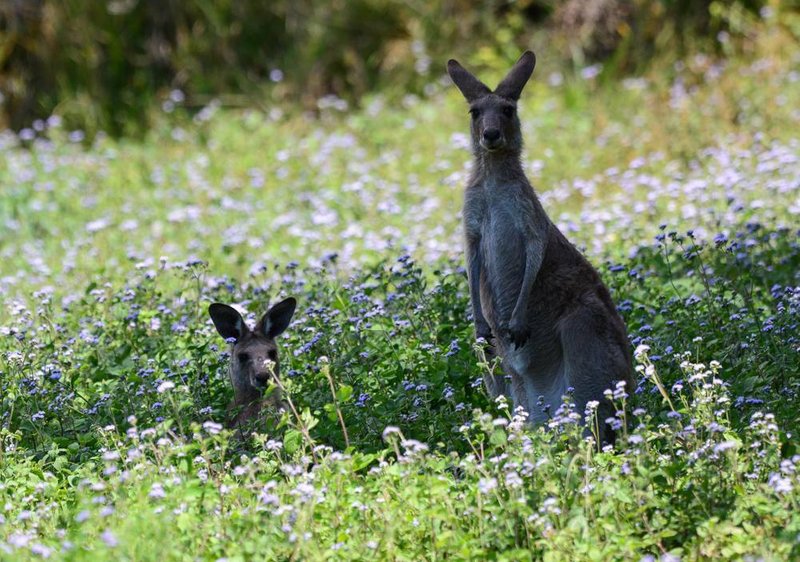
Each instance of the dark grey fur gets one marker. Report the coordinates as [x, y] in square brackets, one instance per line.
[535, 298]
[254, 356]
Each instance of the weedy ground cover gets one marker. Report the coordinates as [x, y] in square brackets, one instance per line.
[682, 187]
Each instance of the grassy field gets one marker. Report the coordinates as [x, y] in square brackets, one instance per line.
[683, 188]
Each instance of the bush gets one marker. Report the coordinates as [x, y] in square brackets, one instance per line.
[104, 66]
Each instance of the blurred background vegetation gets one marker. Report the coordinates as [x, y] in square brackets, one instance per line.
[111, 65]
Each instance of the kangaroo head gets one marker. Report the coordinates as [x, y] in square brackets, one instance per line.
[254, 354]
[495, 125]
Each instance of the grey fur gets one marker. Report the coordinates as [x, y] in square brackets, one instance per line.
[535, 298]
[254, 357]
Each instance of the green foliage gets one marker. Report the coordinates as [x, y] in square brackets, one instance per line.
[103, 66]
[700, 491]
[681, 189]
[108, 66]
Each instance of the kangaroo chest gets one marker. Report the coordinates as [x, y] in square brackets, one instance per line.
[503, 250]
[502, 228]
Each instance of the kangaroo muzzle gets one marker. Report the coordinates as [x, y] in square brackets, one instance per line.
[266, 369]
[492, 139]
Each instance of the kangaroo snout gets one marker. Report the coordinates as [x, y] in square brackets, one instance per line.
[491, 135]
[263, 374]
[492, 139]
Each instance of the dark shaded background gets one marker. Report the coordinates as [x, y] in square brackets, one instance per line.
[104, 65]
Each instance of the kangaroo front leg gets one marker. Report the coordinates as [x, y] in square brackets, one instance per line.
[495, 382]
[474, 268]
[518, 329]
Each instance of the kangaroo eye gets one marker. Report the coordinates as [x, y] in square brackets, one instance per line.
[475, 112]
[244, 357]
[508, 111]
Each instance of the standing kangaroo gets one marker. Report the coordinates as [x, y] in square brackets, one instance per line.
[254, 356]
[534, 296]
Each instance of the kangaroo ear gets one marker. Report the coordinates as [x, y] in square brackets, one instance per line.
[471, 87]
[517, 77]
[227, 320]
[277, 319]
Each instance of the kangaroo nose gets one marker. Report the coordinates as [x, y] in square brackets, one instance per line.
[262, 379]
[491, 135]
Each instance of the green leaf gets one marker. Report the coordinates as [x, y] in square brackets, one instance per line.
[292, 441]
[498, 438]
[330, 411]
[344, 393]
[362, 461]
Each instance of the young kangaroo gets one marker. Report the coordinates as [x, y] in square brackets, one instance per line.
[534, 296]
[254, 356]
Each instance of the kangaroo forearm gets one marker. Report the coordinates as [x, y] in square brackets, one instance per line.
[477, 309]
[524, 294]
[533, 261]
[474, 274]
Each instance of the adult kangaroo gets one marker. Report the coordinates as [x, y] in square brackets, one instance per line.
[534, 296]
[254, 357]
